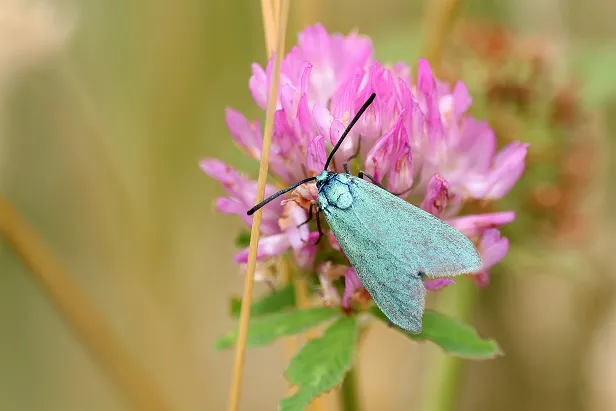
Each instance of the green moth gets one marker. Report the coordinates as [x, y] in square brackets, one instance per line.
[391, 243]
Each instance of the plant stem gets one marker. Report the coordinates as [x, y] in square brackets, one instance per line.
[439, 19]
[269, 28]
[444, 371]
[74, 85]
[303, 301]
[442, 391]
[349, 394]
[276, 14]
[80, 314]
[292, 343]
[240, 347]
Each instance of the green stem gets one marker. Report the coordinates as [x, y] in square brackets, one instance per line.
[99, 338]
[349, 399]
[444, 371]
[439, 20]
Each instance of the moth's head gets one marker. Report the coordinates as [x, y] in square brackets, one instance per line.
[322, 177]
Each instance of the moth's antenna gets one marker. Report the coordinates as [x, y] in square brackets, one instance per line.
[281, 192]
[349, 127]
[329, 159]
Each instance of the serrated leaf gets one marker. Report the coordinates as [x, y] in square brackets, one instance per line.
[321, 364]
[271, 303]
[265, 329]
[453, 336]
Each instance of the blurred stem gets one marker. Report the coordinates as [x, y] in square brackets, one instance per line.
[440, 16]
[84, 320]
[308, 12]
[444, 371]
[99, 135]
[442, 381]
[349, 398]
[291, 342]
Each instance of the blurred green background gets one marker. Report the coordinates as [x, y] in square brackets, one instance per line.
[101, 131]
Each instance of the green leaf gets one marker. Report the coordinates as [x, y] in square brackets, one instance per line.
[453, 336]
[321, 364]
[265, 329]
[271, 303]
[243, 239]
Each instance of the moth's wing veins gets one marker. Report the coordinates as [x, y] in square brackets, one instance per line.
[395, 287]
[411, 234]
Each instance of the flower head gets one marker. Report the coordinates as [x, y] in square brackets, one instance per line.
[416, 138]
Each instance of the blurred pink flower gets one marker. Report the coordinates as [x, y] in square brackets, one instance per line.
[493, 248]
[473, 225]
[438, 283]
[352, 284]
[242, 193]
[279, 223]
[328, 273]
[437, 196]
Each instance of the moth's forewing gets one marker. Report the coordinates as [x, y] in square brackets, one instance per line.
[389, 242]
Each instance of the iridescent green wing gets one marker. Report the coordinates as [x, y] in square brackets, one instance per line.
[412, 235]
[390, 242]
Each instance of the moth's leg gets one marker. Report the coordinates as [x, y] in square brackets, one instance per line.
[312, 205]
[354, 156]
[270, 284]
[363, 174]
[319, 229]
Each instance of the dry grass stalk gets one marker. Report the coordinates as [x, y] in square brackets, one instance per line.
[84, 320]
[240, 346]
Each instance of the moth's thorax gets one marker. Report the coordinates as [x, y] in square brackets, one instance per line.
[334, 190]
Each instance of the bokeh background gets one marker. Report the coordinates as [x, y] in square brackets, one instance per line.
[106, 107]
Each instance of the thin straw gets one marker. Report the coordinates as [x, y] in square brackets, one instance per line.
[268, 27]
[240, 347]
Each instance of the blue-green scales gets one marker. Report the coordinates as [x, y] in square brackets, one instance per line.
[391, 243]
